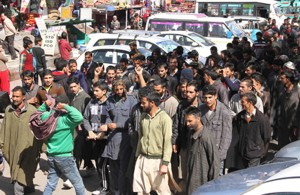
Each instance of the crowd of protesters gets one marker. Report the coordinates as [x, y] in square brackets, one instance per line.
[168, 125]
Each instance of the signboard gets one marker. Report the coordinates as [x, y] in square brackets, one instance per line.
[66, 12]
[86, 14]
[24, 6]
[89, 3]
[49, 43]
[40, 22]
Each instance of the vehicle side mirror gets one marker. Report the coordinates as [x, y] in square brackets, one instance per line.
[194, 44]
[229, 35]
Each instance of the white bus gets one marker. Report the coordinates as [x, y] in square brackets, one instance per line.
[220, 8]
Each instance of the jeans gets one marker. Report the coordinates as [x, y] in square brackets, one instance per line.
[10, 40]
[63, 166]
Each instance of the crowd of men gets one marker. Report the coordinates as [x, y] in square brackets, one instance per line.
[168, 125]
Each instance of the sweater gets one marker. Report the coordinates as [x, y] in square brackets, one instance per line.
[62, 141]
[155, 139]
[65, 49]
[9, 27]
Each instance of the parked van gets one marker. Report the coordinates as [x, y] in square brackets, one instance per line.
[217, 29]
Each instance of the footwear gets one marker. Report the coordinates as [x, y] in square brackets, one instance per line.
[67, 184]
[100, 191]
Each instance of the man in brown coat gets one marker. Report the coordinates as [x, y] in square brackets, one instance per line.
[48, 88]
[19, 147]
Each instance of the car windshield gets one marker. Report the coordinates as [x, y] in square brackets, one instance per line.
[200, 39]
[169, 46]
[235, 28]
[145, 52]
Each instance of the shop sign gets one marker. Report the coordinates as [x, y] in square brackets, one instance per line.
[66, 12]
[40, 22]
[49, 43]
[24, 6]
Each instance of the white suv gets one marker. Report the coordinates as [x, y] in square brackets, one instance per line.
[148, 42]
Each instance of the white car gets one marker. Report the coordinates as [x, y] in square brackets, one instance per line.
[148, 42]
[191, 41]
[110, 54]
[284, 182]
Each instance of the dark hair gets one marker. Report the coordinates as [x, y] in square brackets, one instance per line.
[212, 74]
[73, 80]
[230, 45]
[110, 68]
[247, 51]
[37, 40]
[27, 73]
[101, 85]
[194, 84]
[64, 35]
[209, 90]
[165, 66]
[62, 98]
[120, 67]
[179, 50]
[252, 66]
[71, 61]
[88, 53]
[289, 75]
[214, 48]
[47, 72]
[258, 77]
[230, 66]
[26, 43]
[250, 98]
[60, 64]
[161, 82]
[249, 82]
[19, 88]
[144, 91]
[124, 60]
[153, 97]
[183, 81]
[193, 111]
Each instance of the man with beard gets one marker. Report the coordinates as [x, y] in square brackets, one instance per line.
[29, 86]
[203, 157]
[167, 101]
[171, 81]
[180, 131]
[246, 86]
[287, 109]
[109, 78]
[19, 147]
[154, 148]
[217, 119]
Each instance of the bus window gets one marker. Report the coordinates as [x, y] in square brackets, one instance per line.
[248, 10]
[197, 27]
[164, 26]
[213, 9]
[231, 9]
[217, 30]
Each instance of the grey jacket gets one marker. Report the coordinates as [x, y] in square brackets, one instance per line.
[118, 112]
[219, 123]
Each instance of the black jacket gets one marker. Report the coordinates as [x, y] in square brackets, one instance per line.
[253, 136]
[40, 58]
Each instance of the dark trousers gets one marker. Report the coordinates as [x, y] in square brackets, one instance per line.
[10, 40]
[252, 162]
[117, 177]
